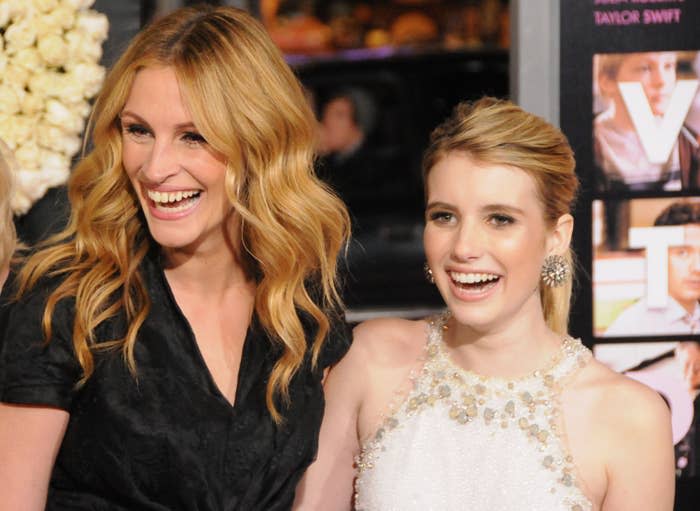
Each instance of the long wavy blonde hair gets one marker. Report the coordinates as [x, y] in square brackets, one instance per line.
[499, 132]
[250, 107]
[8, 238]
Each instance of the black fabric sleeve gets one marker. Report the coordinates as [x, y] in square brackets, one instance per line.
[33, 371]
[337, 342]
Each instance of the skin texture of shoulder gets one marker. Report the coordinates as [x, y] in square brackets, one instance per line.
[358, 390]
[619, 434]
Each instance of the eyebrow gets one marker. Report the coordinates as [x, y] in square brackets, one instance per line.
[180, 126]
[490, 208]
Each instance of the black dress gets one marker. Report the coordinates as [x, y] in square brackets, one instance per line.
[167, 439]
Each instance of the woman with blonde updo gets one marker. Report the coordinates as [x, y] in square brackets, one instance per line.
[491, 405]
[166, 350]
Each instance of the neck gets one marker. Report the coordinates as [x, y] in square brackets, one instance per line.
[510, 350]
[207, 271]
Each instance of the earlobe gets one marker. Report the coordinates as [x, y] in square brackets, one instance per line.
[560, 237]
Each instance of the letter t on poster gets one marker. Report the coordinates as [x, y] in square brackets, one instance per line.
[656, 241]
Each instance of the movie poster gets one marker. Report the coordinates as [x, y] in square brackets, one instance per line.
[646, 267]
[630, 106]
[671, 368]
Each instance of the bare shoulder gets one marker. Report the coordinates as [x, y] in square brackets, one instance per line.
[620, 398]
[614, 412]
[390, 340]
[610, 420]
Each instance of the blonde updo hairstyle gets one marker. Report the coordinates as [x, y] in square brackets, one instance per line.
[498, 132]
[249, 106]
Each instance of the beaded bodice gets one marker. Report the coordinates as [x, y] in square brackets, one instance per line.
[459, 440]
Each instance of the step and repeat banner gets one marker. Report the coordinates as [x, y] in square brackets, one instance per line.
[630, 105]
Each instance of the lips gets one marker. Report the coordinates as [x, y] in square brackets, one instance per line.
[166, 204]
[472, 285]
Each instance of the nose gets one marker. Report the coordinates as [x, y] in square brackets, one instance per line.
[161, 163]
[469, 242]
[659, 76]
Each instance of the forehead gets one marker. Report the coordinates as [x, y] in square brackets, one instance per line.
[464, 182]
[155, 88]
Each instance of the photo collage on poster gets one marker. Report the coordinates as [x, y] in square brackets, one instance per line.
[629, 97]
[645, 229]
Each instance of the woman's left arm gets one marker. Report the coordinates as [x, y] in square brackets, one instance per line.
[640, 467]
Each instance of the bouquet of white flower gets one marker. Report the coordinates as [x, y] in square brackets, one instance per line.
[49, 55]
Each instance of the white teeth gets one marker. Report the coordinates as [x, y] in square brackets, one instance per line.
[472, 278]
[166, 197]
[173, 209]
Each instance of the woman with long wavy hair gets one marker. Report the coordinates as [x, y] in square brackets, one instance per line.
[166, 350]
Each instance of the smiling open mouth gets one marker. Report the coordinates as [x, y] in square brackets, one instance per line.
[474, 281]
[173, 202]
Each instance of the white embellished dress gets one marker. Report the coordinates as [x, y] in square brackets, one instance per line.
[461, 441]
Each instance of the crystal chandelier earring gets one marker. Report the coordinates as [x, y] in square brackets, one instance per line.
[428, 273]
[555, 271]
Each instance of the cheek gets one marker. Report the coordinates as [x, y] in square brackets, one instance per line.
[435, 244]
[132, 159]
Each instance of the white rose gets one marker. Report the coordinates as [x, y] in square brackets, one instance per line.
[94, 24]
[4, 14]
[54, 138]
[24, 127]
[53, 50]
[29, 59]
[82, 48]
[53, 160]
[10, 102]
[31, 185]
[46, 24]
[20, 34]
[48, 83]
[63, 16]
[82, 109]
[15, 75]
[32, 103]
[18, 8]
[79, 4]
[27, 155]
[20, 202]
[7, 133]
[60, 115]
[90, 76]
[45, 5]
[71, 90]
